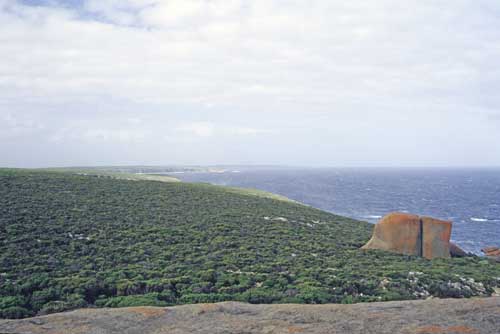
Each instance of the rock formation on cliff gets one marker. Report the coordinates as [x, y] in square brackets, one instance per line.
[492, 253]
[456, 251]
[413, 235]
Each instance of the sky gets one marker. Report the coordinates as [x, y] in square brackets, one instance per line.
[286, 82]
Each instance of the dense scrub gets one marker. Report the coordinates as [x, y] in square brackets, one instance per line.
[71, 241]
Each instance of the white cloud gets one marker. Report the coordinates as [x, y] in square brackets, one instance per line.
[163, 14]
[12, 126]
[199, 129]
[242, 131]
[89, 132]
[210, 129]
[118, 135]
[173, 12]
[300, 68]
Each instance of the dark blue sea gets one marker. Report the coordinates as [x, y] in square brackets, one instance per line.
[468, 197]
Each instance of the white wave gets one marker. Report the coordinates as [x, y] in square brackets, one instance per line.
[372, 217]
[474, 219]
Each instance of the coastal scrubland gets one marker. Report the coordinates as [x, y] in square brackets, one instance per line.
[71, 241]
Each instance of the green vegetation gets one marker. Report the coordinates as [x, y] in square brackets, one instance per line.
[113, 172]
[70, 241]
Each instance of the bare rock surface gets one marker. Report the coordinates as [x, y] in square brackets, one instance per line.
[492, 253]
[435, 238]
[456, 251]
[412, 235]
[397, 232]
[446, 316]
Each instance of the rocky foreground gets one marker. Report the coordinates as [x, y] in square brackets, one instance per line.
[450, 316]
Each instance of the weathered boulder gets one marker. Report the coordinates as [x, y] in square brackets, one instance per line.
[492, 253]
[435, 238]
[456, 251]
[397, 232]
[413, 235]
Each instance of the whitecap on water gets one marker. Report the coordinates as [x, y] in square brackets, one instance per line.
[478, 219]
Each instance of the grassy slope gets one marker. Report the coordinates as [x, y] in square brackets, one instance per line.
[124, 174]
[69, 241]
[112, 173]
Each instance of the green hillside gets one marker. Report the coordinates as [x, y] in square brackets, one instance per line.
[113, 172]
[71, 241]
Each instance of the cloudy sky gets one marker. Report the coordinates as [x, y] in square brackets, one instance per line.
[310, 82]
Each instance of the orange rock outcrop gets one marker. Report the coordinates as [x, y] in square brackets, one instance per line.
[435, 238]
[412, 235]
[492, 253]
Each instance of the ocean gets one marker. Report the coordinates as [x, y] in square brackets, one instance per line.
[470, 198]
